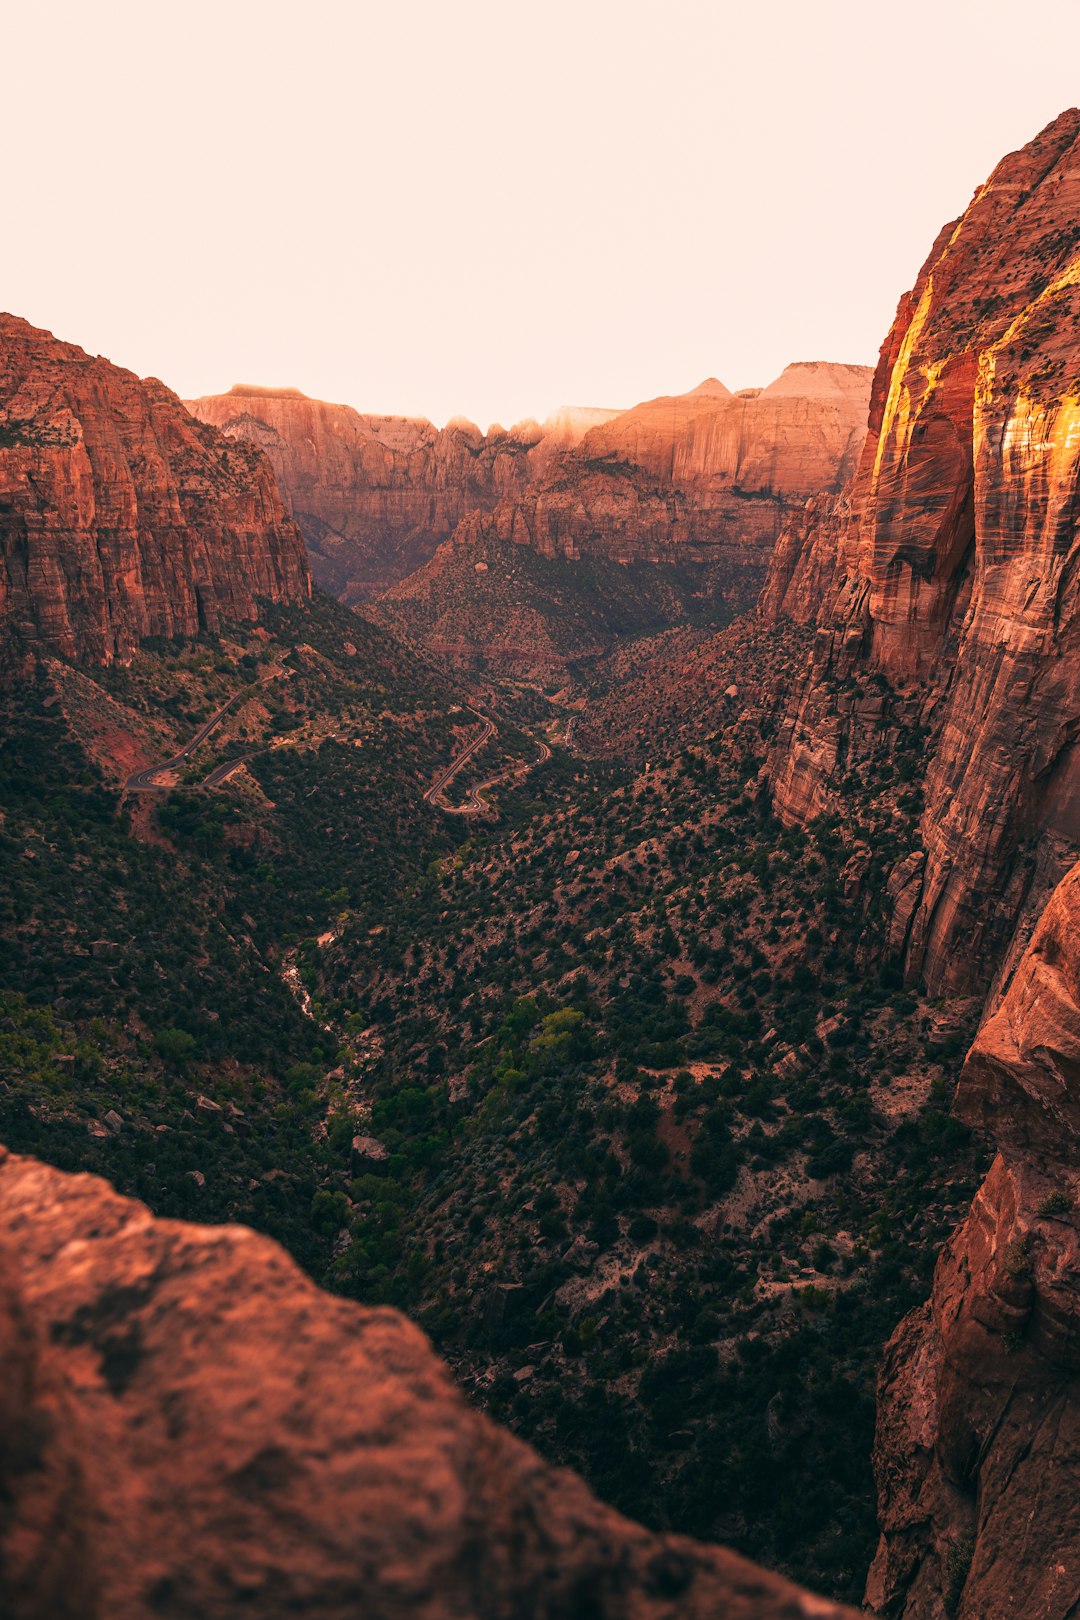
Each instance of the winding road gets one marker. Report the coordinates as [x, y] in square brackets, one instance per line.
[476, 803]
[146, 780]
[437, 789]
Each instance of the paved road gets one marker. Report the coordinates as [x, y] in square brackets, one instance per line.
[146, 781]
[222, 772]
[476, 802]
[444, 779]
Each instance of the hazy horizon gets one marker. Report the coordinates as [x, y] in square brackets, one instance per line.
[492, 213]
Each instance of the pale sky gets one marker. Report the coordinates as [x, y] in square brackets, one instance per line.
[491, 208]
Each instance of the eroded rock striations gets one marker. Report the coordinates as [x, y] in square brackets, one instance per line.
[374, 495]
[949, 570]
[121, 517]
[978, 1440]
[189, 1427]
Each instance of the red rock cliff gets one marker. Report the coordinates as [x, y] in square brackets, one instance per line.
[120, 517]
[978, 1440]
[950, 566]
[188, 1427]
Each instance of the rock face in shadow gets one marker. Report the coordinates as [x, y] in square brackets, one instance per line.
[376, 495]
[121, 517]
[978, 1440]
[949, 568]
[190, 1428]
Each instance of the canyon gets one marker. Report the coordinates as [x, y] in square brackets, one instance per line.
[635, 1092]
[122, 518]
[376, 495]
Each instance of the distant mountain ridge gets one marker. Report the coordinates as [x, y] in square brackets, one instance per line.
[375, 495]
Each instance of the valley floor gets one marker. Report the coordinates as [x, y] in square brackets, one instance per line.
[607, 1081]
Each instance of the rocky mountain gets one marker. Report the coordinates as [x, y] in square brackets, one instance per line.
[798, 436]
[189, 1426]
[664, 513]
[120, 516]
[947, 571]
[978, 1443]
[374, 495]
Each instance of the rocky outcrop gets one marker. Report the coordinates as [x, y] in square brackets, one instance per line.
[978, 1440]
[189, 1427]
[374, 495]
[949, 567]
[121, 517]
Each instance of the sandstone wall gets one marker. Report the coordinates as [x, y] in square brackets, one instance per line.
[977, 1453]
[121, 517]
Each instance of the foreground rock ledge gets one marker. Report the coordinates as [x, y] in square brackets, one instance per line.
[190, 1428]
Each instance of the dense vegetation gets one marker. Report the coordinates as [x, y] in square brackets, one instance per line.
[619, 1092]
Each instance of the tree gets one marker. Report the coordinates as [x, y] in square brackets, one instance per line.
[176, 1046]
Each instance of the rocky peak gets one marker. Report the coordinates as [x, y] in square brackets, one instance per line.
[711, 388]
[821, 379]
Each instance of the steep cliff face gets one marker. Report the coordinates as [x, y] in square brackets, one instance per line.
[374, 495]
[120, 517]
[949, 567]
[189, 1427]
[978, 1441]
[800, 435]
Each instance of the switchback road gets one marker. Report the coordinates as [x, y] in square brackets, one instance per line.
[146, 780]
[438, 788]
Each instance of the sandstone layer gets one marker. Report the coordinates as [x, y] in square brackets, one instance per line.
[374, 495]
[949, 568]
[189, 1427]
[120, 516]
[978, 1440]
